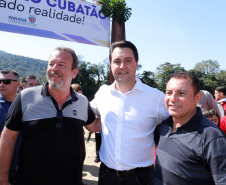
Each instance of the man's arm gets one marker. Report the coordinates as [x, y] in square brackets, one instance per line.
[94, 126]
[215, 155]
[7, 146]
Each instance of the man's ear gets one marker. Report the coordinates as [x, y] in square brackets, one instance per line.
[75, 72]
[198, 97]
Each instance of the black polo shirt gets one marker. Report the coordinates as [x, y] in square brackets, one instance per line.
[47, 157]
[193, 154]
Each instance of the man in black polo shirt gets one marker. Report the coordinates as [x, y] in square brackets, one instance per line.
[191, 149]
[50, 117]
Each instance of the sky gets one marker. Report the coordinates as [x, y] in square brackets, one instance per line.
[175, 31]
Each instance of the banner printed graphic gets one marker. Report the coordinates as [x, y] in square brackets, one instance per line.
[70, 20]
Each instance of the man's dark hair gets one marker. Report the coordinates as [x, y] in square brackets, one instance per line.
[186, 75]
[221, 89]
[10, 71]
[73, 54]
[28, 77]
[124, 44]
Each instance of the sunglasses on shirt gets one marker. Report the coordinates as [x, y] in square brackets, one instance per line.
[60, 126]
[7, 81]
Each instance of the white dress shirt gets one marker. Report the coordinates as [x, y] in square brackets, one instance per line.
[128, 122]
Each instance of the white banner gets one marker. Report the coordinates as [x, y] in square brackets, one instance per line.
[71, 20]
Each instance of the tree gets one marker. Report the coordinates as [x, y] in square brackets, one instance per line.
[208, 67]
[116, 9]
[90, 77]
[221, 78]
[163, 73]
[200, 75]
[148, 77]
[207, 71]
[85, 80]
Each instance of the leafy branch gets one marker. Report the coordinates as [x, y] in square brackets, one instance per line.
[116, 9]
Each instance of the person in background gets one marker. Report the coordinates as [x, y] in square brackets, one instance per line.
[207, 114]
[20, 88]
[9, 83]
[51, 118]
[207, 102]
[97, 146]
[129, 112]
[220, 97]
[223, 124]
[215, 117]
[29, 81]
[78, 89]
[212, 115]
[191, 148]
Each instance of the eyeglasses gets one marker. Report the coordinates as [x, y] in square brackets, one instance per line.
[7, 81]
[59, 126]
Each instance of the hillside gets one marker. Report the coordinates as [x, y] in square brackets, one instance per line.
[23, 65]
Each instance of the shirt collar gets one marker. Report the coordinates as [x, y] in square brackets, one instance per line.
[222, 100]
[45, 92]
[3, 100]
[193, 123]
[138, 85]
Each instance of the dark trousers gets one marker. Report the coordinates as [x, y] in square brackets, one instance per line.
[98, 142]
[144, 177]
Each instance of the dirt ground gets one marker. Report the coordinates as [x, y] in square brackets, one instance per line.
[90, 168]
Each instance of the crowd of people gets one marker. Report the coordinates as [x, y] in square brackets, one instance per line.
[42, 136]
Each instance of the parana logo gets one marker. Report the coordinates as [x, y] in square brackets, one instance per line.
[32, 19]
[17, 19]
[29, 21]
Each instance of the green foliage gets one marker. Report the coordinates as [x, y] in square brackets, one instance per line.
[163, 73]
[207, 71]
[221, 78]
[207, 67]
[92, 76]
[24, 66]
[148, 78]
[116, 9]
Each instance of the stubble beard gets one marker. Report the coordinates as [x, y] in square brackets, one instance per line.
[53, 84]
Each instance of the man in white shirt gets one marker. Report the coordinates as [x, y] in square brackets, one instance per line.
[129, 111]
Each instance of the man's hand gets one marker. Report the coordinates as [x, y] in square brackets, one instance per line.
[7, 146]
